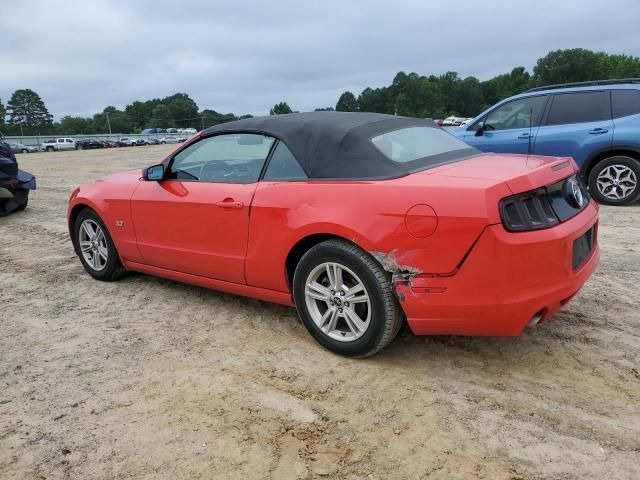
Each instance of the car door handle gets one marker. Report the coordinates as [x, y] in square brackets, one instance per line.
[524, 136]
[229, 203]
[598, 131]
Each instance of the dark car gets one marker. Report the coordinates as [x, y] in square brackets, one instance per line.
[108, 143]
[88, 144]
[14, 183]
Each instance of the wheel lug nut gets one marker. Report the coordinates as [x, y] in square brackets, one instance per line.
[342, 294]
[346, 304]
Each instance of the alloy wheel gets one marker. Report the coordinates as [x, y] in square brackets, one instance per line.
[617, 182]
[93, 245]
[338, 302]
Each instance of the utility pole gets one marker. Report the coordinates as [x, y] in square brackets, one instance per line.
[108, 122]
[202, 120]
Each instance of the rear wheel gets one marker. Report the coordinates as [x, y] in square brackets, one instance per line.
[24, 150]
[615, 181]
[49, 149]
[345, 299]
[95, 248]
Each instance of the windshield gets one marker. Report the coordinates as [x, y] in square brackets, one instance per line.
[413, 143]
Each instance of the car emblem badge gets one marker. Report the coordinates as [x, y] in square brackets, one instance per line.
[573, 193]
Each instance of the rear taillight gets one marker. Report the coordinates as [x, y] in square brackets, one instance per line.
[527, 211]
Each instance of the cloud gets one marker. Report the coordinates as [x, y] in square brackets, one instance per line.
[244, 56]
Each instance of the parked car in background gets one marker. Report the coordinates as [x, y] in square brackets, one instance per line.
[595, 123]
[88, 144]
[247, 207]
[152, 141]
[108, 143]
[20, 148]
[150, 131]
[189, 131]
[465, 121]
[166, 139]
[58, 144]
[172, 130]
[15, 184]
[126, 142]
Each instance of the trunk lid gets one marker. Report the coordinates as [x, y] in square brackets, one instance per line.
[520, 173]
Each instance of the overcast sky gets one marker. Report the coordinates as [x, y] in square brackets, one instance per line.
[244, 56]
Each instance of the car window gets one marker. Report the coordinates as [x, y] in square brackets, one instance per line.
[625, 102]
[231, 158]
[516, 114]
[283, 165]
[579, 107]
[408, 144]
[69, 140]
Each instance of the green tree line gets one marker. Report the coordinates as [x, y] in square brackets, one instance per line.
[435, 96]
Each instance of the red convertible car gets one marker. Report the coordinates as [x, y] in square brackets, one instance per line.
[360, 220]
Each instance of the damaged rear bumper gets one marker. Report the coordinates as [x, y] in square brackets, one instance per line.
[506, 282]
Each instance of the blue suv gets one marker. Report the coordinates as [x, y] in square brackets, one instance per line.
[596, 123]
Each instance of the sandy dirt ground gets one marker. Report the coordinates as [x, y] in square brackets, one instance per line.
[148, 378]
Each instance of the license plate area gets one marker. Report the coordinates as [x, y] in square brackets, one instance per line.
[582, 247]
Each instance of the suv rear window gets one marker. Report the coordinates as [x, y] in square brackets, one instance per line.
[579, 108]
[408, 144]
[625, 102]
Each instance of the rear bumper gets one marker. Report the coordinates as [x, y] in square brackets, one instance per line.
[506, 280]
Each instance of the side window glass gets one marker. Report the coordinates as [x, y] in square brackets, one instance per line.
[231, 158]
[516, 114]
[625, 102]
[579, 108]
[283, 165]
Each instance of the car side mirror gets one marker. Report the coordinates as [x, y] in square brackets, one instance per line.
[479, 129]
[153, 174]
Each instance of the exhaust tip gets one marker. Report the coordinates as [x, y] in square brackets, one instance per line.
[536, 319]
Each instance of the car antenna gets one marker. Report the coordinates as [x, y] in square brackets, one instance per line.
[529, 137]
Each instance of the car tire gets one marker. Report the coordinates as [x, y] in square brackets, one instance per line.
[49, 149]
[327, 312]
[615, 180]
[24, 150]
[105, 269]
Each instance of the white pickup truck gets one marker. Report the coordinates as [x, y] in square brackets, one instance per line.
[58, 144]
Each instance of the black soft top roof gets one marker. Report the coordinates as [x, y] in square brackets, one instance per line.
[333, 144]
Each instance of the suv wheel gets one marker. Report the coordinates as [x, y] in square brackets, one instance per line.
[615, 180]
[345, 299]
[49, 149]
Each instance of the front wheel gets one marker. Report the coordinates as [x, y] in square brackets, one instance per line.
[49, 149]
[345, 299]
[95, 248]
[24, 150]
[615, 181]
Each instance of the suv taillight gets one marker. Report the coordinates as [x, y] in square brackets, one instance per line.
[527, 211]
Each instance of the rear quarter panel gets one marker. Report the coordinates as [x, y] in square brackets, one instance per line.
[371, 215]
